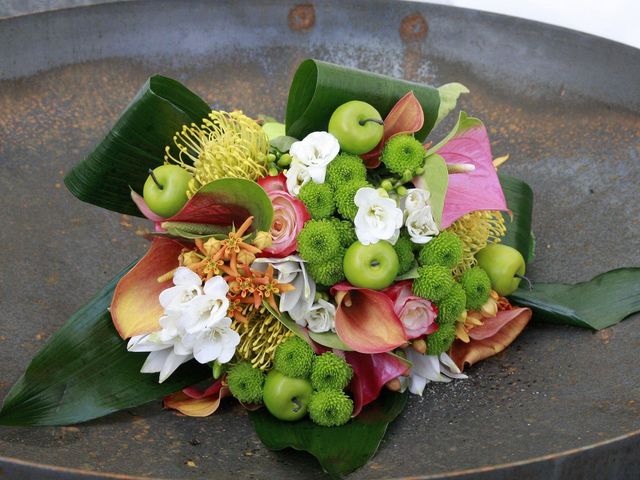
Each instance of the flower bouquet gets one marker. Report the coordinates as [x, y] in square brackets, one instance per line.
[316, 271]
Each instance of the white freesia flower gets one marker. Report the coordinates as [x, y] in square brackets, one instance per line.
[315, 151]
[291, 270]
[430, 368]
[194, 325]
[321, 317]
[416, 199]
[378, 217]
[297, 177]
[421, 225]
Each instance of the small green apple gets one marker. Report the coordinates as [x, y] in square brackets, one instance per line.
[502, 263]
[286, 398]
[165, 190]
[273, 130]
[357, 126]
[372, 266]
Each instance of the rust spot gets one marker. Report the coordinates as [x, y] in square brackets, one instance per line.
[302, 17]
[413, 27]
[605, 335]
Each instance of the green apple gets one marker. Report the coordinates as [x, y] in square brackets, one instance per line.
[372, 266]
[273, 130]
[502, 263]
[165, 190]
[286, 398]
[357, 126]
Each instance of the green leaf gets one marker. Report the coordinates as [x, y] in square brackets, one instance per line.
[318, 88]
[283, 144]
[340, 450]
[330, 340]
[85, 371]
[135, 143]
[519, 198]
[436, 180]
[449, 94]
[601, 302]
[465, 122]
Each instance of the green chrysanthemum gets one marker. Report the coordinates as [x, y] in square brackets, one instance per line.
[404, 250]
[344, 198]
[346, 231]
[344, 169]
[246, 383]
[294, 358]
[328, 272]
[318, 240]
[477, 286]
[433, 282]
[444, 250]
[330, 372]
[403, 153]
[451, 306]
[330, 408]
[318, 198]
[442, 339]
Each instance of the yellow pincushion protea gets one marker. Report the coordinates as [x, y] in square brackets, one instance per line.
[260, 335]
[227, 144]
[476, 230]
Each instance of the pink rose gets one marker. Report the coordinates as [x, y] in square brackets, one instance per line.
[417, 314]
[289, 215]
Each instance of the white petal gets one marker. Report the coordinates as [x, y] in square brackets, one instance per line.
[184, 276]
[208, 349]
[155, 361]
[365, 195]
[172, 362]
[317, 173]
[144, 343]
[417, 384]
[216, 287]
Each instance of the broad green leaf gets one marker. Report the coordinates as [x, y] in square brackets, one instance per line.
[340, 450]
[318, 88]
[435, 179]
[135, 143]
[601, 302]
[520, 201]
[330, 340]
[283, 143]
[85, 371]
[464, 123]
[449, 94]
[192, 231]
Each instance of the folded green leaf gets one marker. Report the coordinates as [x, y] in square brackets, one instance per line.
[599, 303]
[519, 198]
[318, 88]
[135, 143]
[85, 371]
[435, 179]
[340, 450]
[449, 94]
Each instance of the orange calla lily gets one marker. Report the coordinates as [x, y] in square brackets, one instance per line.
[194, 403]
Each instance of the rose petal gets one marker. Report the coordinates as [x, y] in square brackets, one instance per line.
[493, 340]
[368, 323]
[135, 308]
[274, 183]
[405, 117]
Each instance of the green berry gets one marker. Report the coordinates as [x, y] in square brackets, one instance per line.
[403, 153]
[328, 272]
[344, 169]
[442, 339]
[294, 358]
[451, 306]
[404, 250]
[346, 232]
[318, 198]
[433, 282]
[344, 198]
[330, 408]
[444, 250]
[246, 383]
[477, 286]
[318, 240]
[284, 161]
[330, 372]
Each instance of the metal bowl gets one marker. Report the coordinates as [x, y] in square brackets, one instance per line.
[559, 403]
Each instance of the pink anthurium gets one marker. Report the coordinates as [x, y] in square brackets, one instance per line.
[405, 117]
[492, 337]
[480, 189]
[366, 320]
[135, 308]
[370, 374]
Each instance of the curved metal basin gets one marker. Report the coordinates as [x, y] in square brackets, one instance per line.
[560, 403]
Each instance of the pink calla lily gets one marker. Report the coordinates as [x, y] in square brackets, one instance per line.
[366, 320]
[197, 403]
[406, 117]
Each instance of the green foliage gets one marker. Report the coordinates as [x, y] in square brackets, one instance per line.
[403, 153]
[319, 200]
[344, 198]
[433, 282]
[318, 240]
[330, 372]
[294, 358]
[404, 250]
[477, 286]
[328, 272]
[330, 408]
[442, 339]
[246, 383]
[451, 306]
[345, 168]
[346, 232]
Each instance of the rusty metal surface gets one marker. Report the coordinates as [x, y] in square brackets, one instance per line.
[560, 403]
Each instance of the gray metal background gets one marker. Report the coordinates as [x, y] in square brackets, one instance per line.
[560, 403]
